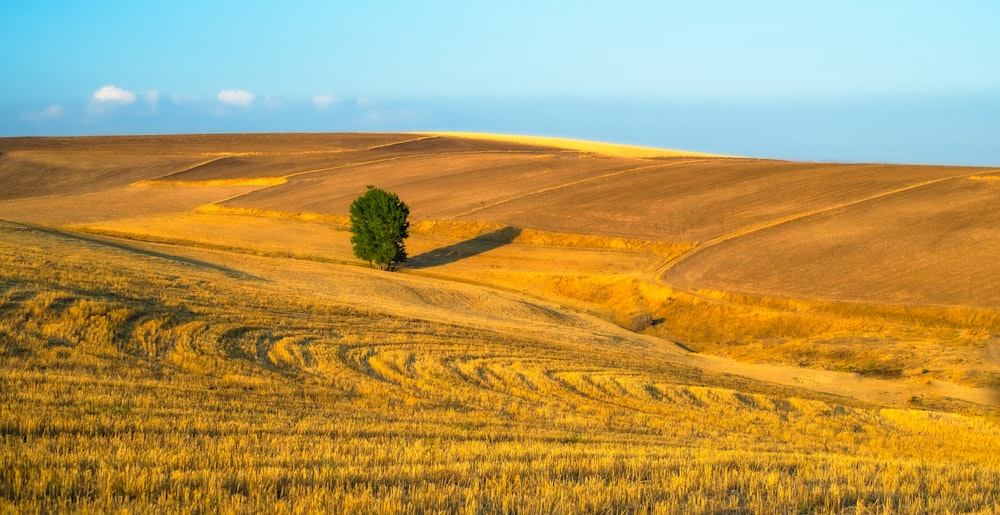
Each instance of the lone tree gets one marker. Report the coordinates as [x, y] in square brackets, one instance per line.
[378, 227]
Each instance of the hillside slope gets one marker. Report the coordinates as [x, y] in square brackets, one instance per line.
[140, 375]
[748, 258]
[802, 229]
[183, 326]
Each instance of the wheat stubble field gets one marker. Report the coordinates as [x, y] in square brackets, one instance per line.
[183, 327]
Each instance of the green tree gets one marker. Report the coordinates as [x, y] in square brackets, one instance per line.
[378, 227]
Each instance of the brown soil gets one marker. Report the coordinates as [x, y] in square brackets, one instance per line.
[877, 234]
[883, 233]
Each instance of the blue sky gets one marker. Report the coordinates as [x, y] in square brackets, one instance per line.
[847, 80]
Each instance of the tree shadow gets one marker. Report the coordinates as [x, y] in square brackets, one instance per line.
[468, 248]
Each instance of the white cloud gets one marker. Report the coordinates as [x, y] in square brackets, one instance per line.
[236, 97]
[113, 95]
[180, 99]
[151, 97]
[53, 112]
[273, 102]
[365, 102]
[324, 100]
[393, 116]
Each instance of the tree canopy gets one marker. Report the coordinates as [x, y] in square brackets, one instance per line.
[378, 227]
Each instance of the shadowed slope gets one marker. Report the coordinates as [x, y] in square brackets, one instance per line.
[475, 246]
[211, 348]
[134, 382]
[597, 232]
[736, 208]
[26, 174]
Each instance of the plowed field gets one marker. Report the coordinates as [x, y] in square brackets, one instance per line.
[580, 327]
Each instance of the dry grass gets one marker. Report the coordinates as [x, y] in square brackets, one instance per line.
[615, 279]
[139, 380]
[195, 342]
[897, 342]
[783, 228]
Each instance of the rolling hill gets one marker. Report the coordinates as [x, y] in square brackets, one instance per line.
[825, 337]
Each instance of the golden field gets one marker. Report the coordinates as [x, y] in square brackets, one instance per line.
[183, 327]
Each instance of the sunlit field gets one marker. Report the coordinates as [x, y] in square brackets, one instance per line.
[597, 147]
[183, 328]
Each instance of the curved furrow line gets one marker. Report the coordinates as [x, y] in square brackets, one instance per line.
[189, 168]
[595, 384]
[511, 378]
[615, 381]
[562, 379]
[506, 379]
[770, 224]
[354, 164]
[359, 358]
[684, 396]
[475, 371]
[633, 393]
[400, 373]
[392, 363]
[395, 143]
[658, 398]
[454, 365]
[620, 386]
[506, 382]
[474, 385]
[526, 382]
[570, 184]
[403, 365]
[306, 172]
[591, 388]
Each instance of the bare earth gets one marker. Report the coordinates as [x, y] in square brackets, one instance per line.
[870, 234]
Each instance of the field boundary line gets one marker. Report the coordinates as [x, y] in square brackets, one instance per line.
[182, 170]
[306, 172]
[739, 233]
[394, 143]
[226, 155]
[557, 187]
[372, 162]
